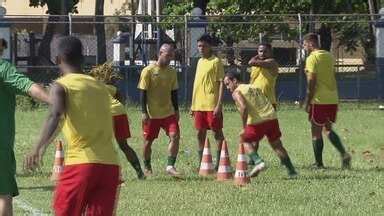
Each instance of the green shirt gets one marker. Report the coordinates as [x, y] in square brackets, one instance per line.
[11, 83]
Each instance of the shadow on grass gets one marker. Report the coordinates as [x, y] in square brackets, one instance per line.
[44, 188]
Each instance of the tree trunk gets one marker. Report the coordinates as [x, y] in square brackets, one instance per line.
[325, 34]
[101, 55]
[44, 50]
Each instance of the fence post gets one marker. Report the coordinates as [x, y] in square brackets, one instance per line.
[186, 61]
[300, 63]
[70, 23]
[380, 53]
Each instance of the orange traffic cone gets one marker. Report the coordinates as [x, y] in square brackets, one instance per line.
[206, 166]
[59, 161]
[241, 174]
[225, 171]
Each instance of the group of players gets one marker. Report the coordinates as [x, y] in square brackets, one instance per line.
[80, 107]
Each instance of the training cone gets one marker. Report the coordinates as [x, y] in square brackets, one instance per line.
[224, 172]
[241, 174]
[206, 166]
[59, 161]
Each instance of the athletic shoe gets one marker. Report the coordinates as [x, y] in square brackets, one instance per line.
[257, 169]
[171, 171]
[148, 172]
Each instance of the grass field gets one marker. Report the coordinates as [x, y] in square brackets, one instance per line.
[359, 191]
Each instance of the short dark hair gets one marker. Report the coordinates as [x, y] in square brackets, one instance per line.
[268, 45]
[312, 37]
[206, 38]
[233, 75]
[70, 50]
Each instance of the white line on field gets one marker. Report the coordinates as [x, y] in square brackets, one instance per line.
[26, 206]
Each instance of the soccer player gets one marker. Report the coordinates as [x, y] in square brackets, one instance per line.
[264, 72]
[259, 120]
[90, 178]
[207, 96]
[160, 109]
[11, 83]
[322, 99]
[106, 74]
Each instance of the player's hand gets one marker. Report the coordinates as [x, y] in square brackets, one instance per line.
[144, 117]
[33, 160]
[217, 111]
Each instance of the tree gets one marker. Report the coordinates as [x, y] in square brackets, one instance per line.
[101, 55]
[55, 8]
[350, 35]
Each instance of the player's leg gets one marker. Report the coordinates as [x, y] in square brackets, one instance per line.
[132, 158]
[253, 134]
[171, 127]
[201, 126]
[150, 130]
[282, 153]
[316, 117]
[122, 133]
[318, 144]
[216, 125]
[256, 146]
[336, 142]
[219, 137]
[6, 208]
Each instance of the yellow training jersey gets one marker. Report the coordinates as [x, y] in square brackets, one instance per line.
[258, 106]
[159, 83]
[263, 79]
[117, 108]
[321, 63]
[209, 74]
[87, 124]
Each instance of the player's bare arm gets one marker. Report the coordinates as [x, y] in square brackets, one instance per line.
[269, 63]
[38, 92]
[311, 83]
[144, 111]
[175, 103]
[239, 99]
[50, 128]
[219, 106]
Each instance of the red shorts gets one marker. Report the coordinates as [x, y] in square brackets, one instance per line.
[321, 114]
[121, 127]
[87, 188]
[206, 120]
[254, 133]
[151, 129]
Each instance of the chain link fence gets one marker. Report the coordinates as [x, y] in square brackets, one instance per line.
[350, 38]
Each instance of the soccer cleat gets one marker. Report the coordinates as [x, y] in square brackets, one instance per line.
[292, 175]
[171, 171]
[317, 166]
[257, 169]
[148, 172]
[346, 161]
[141, 176]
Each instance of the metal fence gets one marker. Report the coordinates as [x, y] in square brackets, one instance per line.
[350, 38]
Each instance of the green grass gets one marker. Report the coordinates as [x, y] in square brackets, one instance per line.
[330, 192]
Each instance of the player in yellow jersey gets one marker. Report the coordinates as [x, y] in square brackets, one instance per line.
[88, 184]
[322, 99]
[207, 96]
[264, 72]
[259, 119]
[107, 75]
[160, 109]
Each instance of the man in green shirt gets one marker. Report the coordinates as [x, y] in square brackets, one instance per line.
[11, 83]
